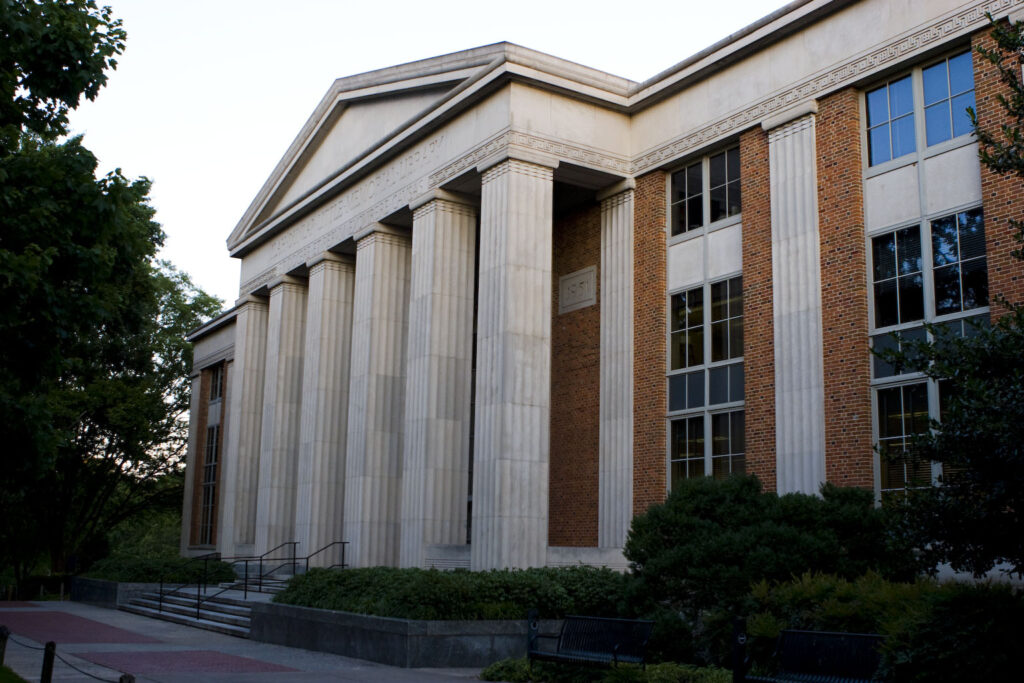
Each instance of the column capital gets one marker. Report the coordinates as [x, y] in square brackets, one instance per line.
[379, 228]
[250, 299]
[519, 154]
[286, 280]
[328, 257]
[442, 195]
[790, 115]
[624, 185]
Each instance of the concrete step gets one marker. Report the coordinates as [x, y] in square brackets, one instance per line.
[220, 604]
[229, 629]
[190, 611]
[268, 586]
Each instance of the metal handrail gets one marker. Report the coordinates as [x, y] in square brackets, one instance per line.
[199, 584]
[293, 544]
[330, 545]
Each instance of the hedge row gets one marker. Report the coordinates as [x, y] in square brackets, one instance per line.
[433, 594]
[150, 569]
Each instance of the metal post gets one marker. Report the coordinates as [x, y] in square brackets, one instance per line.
[4, 632]
[126, 678]
[245, 582]
[344, 544]
[160, 598]
[295, 545]
[259, 578]
[46, 676]
[739, 650]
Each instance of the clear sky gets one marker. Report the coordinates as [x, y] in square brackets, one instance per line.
[210, 93]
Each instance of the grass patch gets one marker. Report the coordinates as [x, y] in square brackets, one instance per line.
[8, 676]
[518, 671]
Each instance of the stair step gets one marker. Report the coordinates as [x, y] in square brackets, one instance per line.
[186, 611]
[241, 632]
[188, 602]
[191, 596]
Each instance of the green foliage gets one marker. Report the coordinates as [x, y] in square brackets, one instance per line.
[8, 676]
[1002, 149]
[152, 569]
[518, 671]
[432, 594]
[935, 631]
[710, 540]
[52, 52]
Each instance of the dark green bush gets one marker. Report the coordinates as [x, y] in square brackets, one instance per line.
[432, 594]
[935, 631]
[711, 539]
[153, 569]
[517, 671]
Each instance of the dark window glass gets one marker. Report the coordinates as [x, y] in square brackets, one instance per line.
[960, 272]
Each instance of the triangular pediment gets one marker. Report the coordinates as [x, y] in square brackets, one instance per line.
[355, 116]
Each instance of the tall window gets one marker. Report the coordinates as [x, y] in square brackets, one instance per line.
[217, 382]
[705, 381]
[208, 508]
[938, 95]
[706, 191]
[931, 272]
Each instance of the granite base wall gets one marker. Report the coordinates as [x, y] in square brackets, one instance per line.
[108, 594]
[397, 642]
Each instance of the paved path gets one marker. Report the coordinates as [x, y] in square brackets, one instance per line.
[105, 643]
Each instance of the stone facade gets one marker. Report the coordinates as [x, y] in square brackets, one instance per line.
[494, 303]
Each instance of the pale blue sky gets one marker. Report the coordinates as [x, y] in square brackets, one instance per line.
[210, 93]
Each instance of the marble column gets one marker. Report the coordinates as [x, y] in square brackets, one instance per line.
[320, 504]
[615, 444]
[796, 292]
[513, 385]
[237, 534]
[282, 409]
[439, 366]
[190, 470]
[373, 479]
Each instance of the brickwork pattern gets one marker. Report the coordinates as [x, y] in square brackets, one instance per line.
[758, 337]
[575, 386]
[844, 296]
[1002, 195]
[649, 339]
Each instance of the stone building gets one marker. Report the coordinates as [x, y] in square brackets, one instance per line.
[494, 303]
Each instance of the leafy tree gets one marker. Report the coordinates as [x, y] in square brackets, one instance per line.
[52, 53]
[93, 361]
[974, 519]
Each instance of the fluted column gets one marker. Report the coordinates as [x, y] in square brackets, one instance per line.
[512, 436]
[320, 504]
[282, 407]
[615, 449]
[244, 428]
[796, 291]
[376, 399]
[435, 480]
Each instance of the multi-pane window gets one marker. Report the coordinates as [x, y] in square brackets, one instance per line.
[948, 92]
[705, 382]
[932, 272]
[902, 415]
[217, 382]
[209, 485]
[938, 94]
[706, 191]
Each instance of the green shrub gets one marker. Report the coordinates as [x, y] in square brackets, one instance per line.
[711, 539]
[432, 594]
[153, 569]
[935, 631]
[517, 671]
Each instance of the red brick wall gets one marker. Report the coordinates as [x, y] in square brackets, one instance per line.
[575, 387]
[650, 302]
[844, 294]
[758, 336]
[1002, 196]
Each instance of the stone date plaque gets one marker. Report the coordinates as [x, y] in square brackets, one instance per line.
[577, 290]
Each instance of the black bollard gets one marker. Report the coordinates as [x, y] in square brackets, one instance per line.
[4, 632]
[739, 650]
[126, 678]
[48, 653]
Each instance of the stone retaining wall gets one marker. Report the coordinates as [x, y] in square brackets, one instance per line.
[107, 594]
[397, 642]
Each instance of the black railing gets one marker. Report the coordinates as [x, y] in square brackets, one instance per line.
[340, 565]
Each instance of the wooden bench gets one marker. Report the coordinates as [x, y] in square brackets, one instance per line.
[816, 657]
[590, 640]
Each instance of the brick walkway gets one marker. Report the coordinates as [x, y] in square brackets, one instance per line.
[97, 643]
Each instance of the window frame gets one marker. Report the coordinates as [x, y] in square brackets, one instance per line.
[922, 149]
[707, 226]
[878, 383]
[707, 411]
